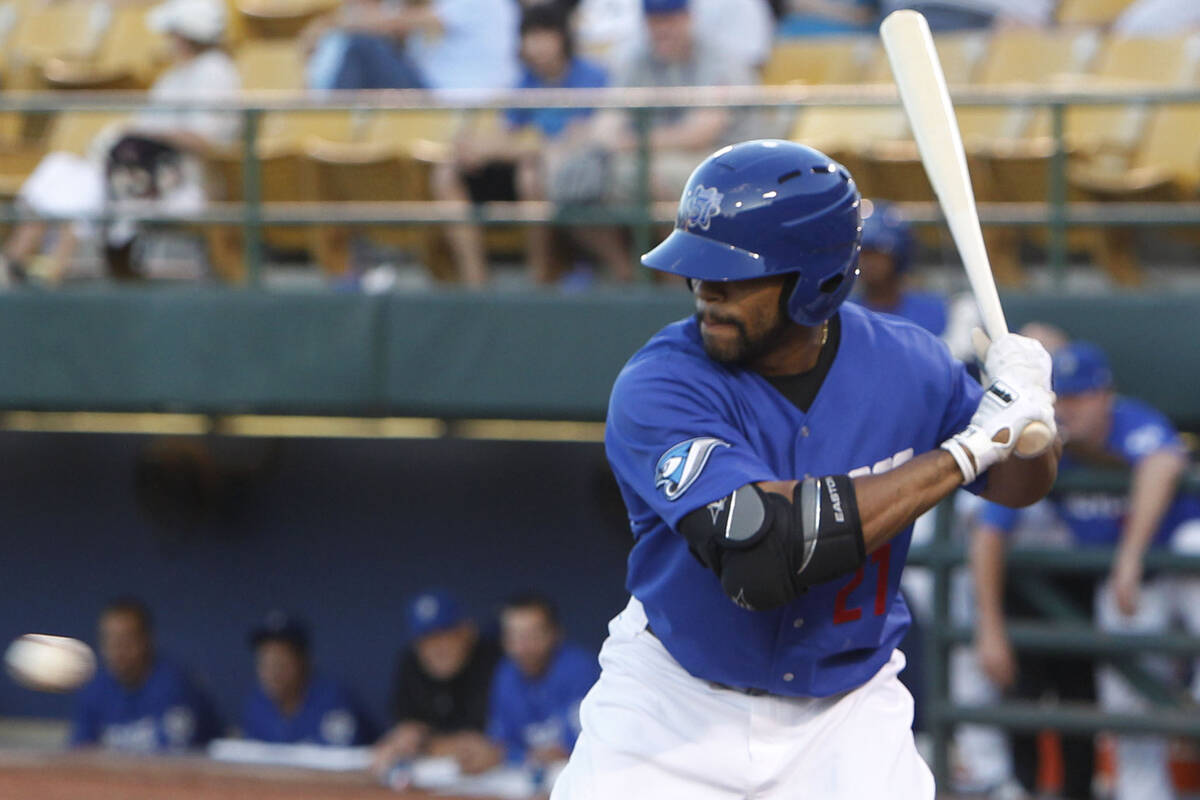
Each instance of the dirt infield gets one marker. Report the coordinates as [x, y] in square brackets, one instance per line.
[95, 776]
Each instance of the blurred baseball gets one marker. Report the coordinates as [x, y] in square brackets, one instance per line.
[49, 663]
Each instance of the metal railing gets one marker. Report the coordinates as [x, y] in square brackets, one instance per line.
[252, 214]
[1067, 632]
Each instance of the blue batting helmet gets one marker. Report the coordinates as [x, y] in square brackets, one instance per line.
[886, 231]
[769, 207]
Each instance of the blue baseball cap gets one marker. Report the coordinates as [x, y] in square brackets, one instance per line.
[279, 626]
[1080, 367]
[433, 611]
[664, 6]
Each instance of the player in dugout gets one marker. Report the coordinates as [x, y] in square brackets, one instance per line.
[291, 705]
[772, 452]
[1103, 428]
[533, 718]
[443, 680]
[139, 701]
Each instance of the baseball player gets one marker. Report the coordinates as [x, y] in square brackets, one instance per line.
[1104, 428]
[772, 453]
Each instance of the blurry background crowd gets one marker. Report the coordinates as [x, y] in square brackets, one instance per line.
[453, 436]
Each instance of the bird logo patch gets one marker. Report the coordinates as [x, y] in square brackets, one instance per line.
[700, 205]
[681, 465]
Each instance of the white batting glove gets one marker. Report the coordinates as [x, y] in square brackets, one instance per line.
[1017, 360]
[1003, 413]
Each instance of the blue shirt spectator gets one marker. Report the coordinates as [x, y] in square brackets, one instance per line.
[326, 715]
[1096, 518]
[532, 713]
[551, 122]
[138, 702]
[291, 705]
[887, 251]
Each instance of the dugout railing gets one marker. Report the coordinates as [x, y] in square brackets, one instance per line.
[1066, 630]
[1056, 214]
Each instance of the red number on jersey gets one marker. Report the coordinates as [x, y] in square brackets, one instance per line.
[882, 559]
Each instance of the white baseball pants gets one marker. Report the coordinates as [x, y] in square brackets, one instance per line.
[651, 730]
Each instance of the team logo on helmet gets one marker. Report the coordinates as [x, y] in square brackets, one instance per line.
[700, 205]
[680, 466]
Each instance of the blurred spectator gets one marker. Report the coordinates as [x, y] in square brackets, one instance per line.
[679, 138]
[440, 44]
[139, 701]
[1158, 18]
[887, 252]
[288, 703]
[826, 17]
[506, 164]
[151, 163]
[945, 16]
[1104, 429]
[743, 30]
[534, 716]
[442, 682]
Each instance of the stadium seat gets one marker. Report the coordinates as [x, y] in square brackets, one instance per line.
[840, 59]
[1021, 56]
[69, 29]
[131, 46]
[1125, 60]
[1090, 12]
[270, 64]
[279, 19]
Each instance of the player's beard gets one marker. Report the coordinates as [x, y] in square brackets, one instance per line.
[747, 347]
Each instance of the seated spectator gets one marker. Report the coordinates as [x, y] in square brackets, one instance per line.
[743, 30]
[946, 16]
[828, 17]
[442, 682]
[1158, 18]
[679, 138]
[138, 702]
[153, 162]
[289, 704]
[441, 44]
[887, 249]
[534, 716]
[506, 164]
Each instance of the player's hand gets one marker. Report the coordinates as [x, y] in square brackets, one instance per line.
[1126, 581]
[1014, 359]
[995, 655]
[401, 743]
[1004, 411]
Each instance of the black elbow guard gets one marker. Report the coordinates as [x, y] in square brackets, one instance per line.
[766, 550]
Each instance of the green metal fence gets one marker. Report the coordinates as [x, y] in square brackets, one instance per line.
[252, 214]
[1066, 632]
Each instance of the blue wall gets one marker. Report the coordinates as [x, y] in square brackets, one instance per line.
[339, 531]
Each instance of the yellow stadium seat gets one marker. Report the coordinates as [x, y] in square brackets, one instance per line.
[1021, 56]
[1090, 12]
[131, 46]
[270, 64]
[841, 59]
[1124, 60]
[279, 19]
[67, 29]
[960, 55]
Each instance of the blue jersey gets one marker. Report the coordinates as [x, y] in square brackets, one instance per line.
[327, 715]
[540, 712]
[684, 431]
[165, 713]
[926, 309]
[1096, 518]
[552, 122]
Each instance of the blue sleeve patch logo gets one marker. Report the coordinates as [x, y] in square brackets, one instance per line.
[681, 465]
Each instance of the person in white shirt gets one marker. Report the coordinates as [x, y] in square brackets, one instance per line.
[1158, 18]
[168, 141]
[439, 45]
[613, 30]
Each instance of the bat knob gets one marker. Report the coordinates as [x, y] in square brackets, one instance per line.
[1034, 440]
